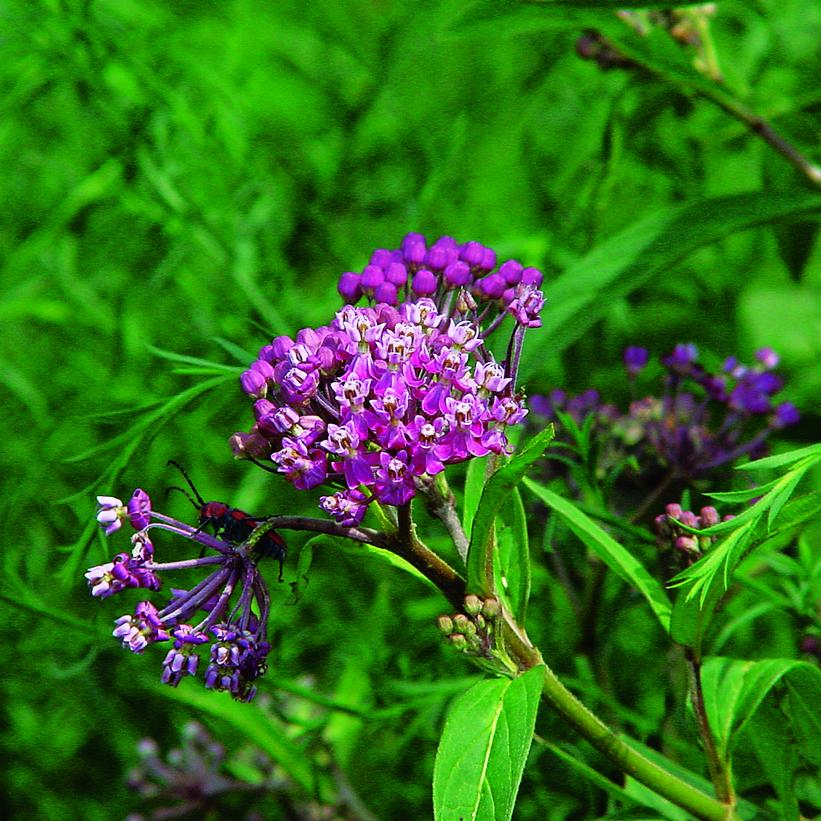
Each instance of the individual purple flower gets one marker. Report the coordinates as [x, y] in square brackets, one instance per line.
[347, 507]
[139, 509]
[110, 513]
[143, 628]
[786, 414]
[635, 358]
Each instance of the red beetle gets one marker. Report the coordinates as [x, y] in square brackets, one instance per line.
[232, 524]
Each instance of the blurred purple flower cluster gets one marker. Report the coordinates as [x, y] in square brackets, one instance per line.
[236, 633]
[392, 392]
[698, 421]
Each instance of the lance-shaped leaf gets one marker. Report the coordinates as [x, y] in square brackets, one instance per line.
[616, 557]
[496, 492]
[484, 748]
[734, 689]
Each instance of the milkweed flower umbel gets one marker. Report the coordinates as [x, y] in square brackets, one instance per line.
[700, 419]
[233, 599]
[392, 391]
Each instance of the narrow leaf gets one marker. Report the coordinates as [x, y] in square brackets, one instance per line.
[495, 494]
[484, 748]
[614, 555]
[615, 268]
[781, 460]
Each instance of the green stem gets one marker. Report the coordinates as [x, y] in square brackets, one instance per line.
[407, 544]
[629, 760]
[719, 772]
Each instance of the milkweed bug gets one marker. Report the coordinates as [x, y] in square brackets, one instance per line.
[232, 524]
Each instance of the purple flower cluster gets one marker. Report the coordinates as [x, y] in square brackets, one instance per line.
[390, 393]
[236, 633]
[687, 547]
[701, 420]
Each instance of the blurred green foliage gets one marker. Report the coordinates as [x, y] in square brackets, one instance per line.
[193, 177]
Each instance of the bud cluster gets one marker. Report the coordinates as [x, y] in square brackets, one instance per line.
[684, 546]
[472, 631]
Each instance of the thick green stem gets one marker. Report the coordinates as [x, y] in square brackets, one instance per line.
[629, 760]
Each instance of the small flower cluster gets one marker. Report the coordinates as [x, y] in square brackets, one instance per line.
[684, 546]
[703, 420]
[197, 780]
[236, 634]
[390, 393]
[472, 631]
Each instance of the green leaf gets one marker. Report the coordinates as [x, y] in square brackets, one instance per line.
[371, 552]
[615, 268]
[734, 689]
[514, 556]
[691, 618]
[781, 460]
[614, 555]
[474, 484]
[717, 566]
[481, 551]
[484, 748]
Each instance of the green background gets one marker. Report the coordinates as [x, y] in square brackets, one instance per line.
[193, 177]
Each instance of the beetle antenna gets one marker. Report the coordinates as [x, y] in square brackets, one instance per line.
[190, 483]
[184, 493]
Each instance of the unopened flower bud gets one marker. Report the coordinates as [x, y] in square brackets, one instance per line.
[461, 622]
[445, 624]
[490, 609]
[459, 641]
[473, 605]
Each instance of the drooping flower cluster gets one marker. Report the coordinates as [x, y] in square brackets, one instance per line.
[392, 392]
[685, 547]
[227, 596]
[702, 420]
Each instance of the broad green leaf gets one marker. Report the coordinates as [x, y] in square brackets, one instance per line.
[253, 722]
[777, 754]
[484, 747]
[497, 490]
[614, 555]
[734, 689]
[612, 270]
